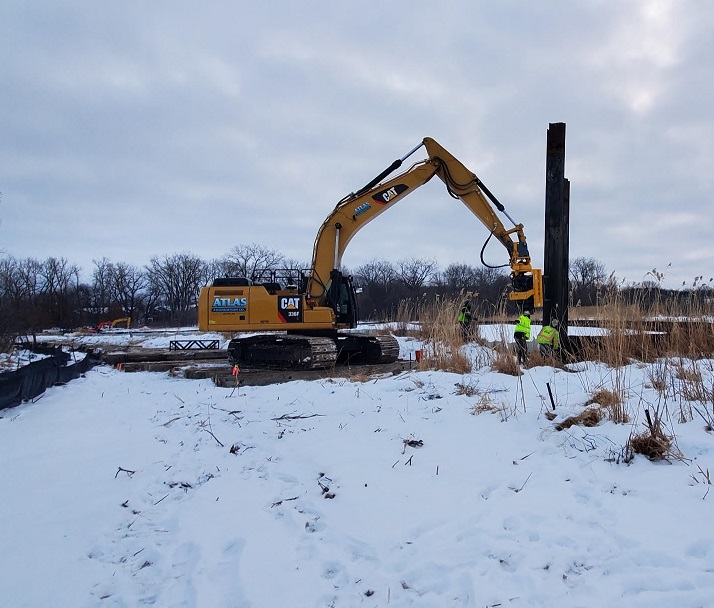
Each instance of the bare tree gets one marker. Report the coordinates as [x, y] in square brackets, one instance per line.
[250, 260]
[213, 269]
[101, 286]
[294, 264]
[9, 283]
[174, 282]
[9, 301]
[60, 280]
[378, 273]
[128, 282]
[377, 279]
[28, 278]
[415, 273]
[491, 285]
[588, 277]
[458, 277]
[28, 287]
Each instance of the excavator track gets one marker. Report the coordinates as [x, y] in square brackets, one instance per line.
[366, 349]
[311, 352]
[390, 349]
[291, 351]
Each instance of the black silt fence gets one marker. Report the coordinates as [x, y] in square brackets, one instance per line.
[29, 381]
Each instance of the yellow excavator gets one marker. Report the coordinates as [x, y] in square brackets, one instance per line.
[313, 312]
[125, 321]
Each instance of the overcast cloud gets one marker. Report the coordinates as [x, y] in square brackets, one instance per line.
[135, 129]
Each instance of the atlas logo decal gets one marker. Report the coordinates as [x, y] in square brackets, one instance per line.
[229, 304]
[386, 196]
[364, 207]
[290, 310]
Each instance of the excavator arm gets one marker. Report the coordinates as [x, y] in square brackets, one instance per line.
[357, 209]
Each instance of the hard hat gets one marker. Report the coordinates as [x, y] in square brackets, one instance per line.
[554, 322]
[527, 313]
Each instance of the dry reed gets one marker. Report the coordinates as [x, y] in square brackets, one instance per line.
[403, 322]
[442, 337]
[611, 404]
[466, 388]
[505, 362]
[589, 417]
[486, 404]
[645, 328]
[653, 443]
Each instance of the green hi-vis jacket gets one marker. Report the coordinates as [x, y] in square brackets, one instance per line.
[464, 316]
[524, 326]
[549, 335]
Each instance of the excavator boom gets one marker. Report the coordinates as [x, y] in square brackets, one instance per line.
[356, 210]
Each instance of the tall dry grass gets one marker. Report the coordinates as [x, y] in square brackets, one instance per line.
[505, 361]
[655, 442]
[405, 319]
[443, 337]
[647, 329]
[611, 404]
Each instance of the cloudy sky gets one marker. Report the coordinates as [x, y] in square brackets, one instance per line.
[134, 129]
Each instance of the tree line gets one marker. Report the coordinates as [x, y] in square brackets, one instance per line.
[40, 294]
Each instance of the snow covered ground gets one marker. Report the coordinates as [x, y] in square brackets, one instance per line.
[18, 358]
[141, 489]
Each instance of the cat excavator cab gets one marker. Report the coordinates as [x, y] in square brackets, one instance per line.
[313, 313]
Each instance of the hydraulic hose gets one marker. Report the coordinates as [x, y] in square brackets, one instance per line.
[484, 248]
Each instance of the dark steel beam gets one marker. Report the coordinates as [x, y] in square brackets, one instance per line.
[557, 233]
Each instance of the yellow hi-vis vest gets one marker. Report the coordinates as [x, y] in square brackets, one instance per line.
[549, 335]
[524, 326]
